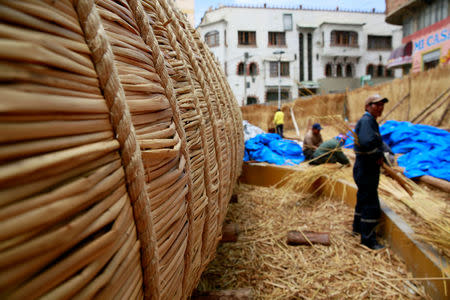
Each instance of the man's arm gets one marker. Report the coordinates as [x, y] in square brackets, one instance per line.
[342, 158]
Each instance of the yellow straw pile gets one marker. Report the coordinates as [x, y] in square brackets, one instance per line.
[263, 261]
[426, 211]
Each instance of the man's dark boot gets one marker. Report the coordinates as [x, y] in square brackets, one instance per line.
[368, 236]
[356, 224]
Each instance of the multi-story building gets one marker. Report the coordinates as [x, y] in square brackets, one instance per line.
[313, 50]
[426, 33]
[187, 7]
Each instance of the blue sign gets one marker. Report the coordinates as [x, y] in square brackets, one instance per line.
[432, 40]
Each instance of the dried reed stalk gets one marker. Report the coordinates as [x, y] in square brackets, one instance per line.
[261, 260]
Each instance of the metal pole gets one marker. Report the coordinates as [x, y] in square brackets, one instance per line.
[279, 83]
[279, 76]
[245, 78]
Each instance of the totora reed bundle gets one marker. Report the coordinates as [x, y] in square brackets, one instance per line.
[120, 145]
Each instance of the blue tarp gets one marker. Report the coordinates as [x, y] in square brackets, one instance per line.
[425, 149]
[271, 148]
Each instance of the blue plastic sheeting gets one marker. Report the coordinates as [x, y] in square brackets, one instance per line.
[271, 148]
[425, 149]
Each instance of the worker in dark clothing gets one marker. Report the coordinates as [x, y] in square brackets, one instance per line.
[366, 171]
[330, 152]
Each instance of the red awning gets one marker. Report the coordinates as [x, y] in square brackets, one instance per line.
[401, 56]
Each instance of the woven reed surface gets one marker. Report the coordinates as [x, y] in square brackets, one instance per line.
[120, 144]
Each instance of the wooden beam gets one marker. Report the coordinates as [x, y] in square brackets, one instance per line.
[394, 108]
[240, 294]
[441, 184]
[230, 233]
[429, 105]
[429, 112]
[308, 238]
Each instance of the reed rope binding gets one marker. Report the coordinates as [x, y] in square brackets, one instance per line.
[206, 167]
[131, 155]
[183, 39]
[150, 39]
[188, 42]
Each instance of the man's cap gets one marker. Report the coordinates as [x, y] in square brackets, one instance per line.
[376, 98]
[317, 126]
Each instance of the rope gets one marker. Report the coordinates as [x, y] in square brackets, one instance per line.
[188, 286]
[187, 44]
[158, 59]
[205, 81]
[231, 143]
[103, 59]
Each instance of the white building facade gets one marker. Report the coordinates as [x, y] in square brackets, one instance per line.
[317, 50]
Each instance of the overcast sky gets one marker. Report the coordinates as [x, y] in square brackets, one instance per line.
[202, 5]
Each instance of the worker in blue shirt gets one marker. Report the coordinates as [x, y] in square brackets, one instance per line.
[366, 171]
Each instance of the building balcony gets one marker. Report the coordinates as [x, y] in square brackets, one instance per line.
[342, 50]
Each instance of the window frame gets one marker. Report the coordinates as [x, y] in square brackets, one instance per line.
[329, 67]
[212, 38]
[250, 65]
[284, 69]
[240, 70]
[349, 67]
[344, 38]
[276, 39]
[374, 42]
[370, 66]
[249, 37]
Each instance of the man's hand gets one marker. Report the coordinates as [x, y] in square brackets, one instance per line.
[380, 161]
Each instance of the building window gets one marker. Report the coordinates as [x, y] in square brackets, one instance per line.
[344, 38]
[212, 38]
[277, 39]
[240, 69]
[389, 73]
[441, 9]
[339, 71]
[431, 59]
[284, 69]
[328, 70]
[407, 26]
[432, 12]
[247, 38]
[380, 71]
[379, 42]
[287, 22]
[348, 70]
[253, 69]
[251, 100]
[272, 94]
[370, 70]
